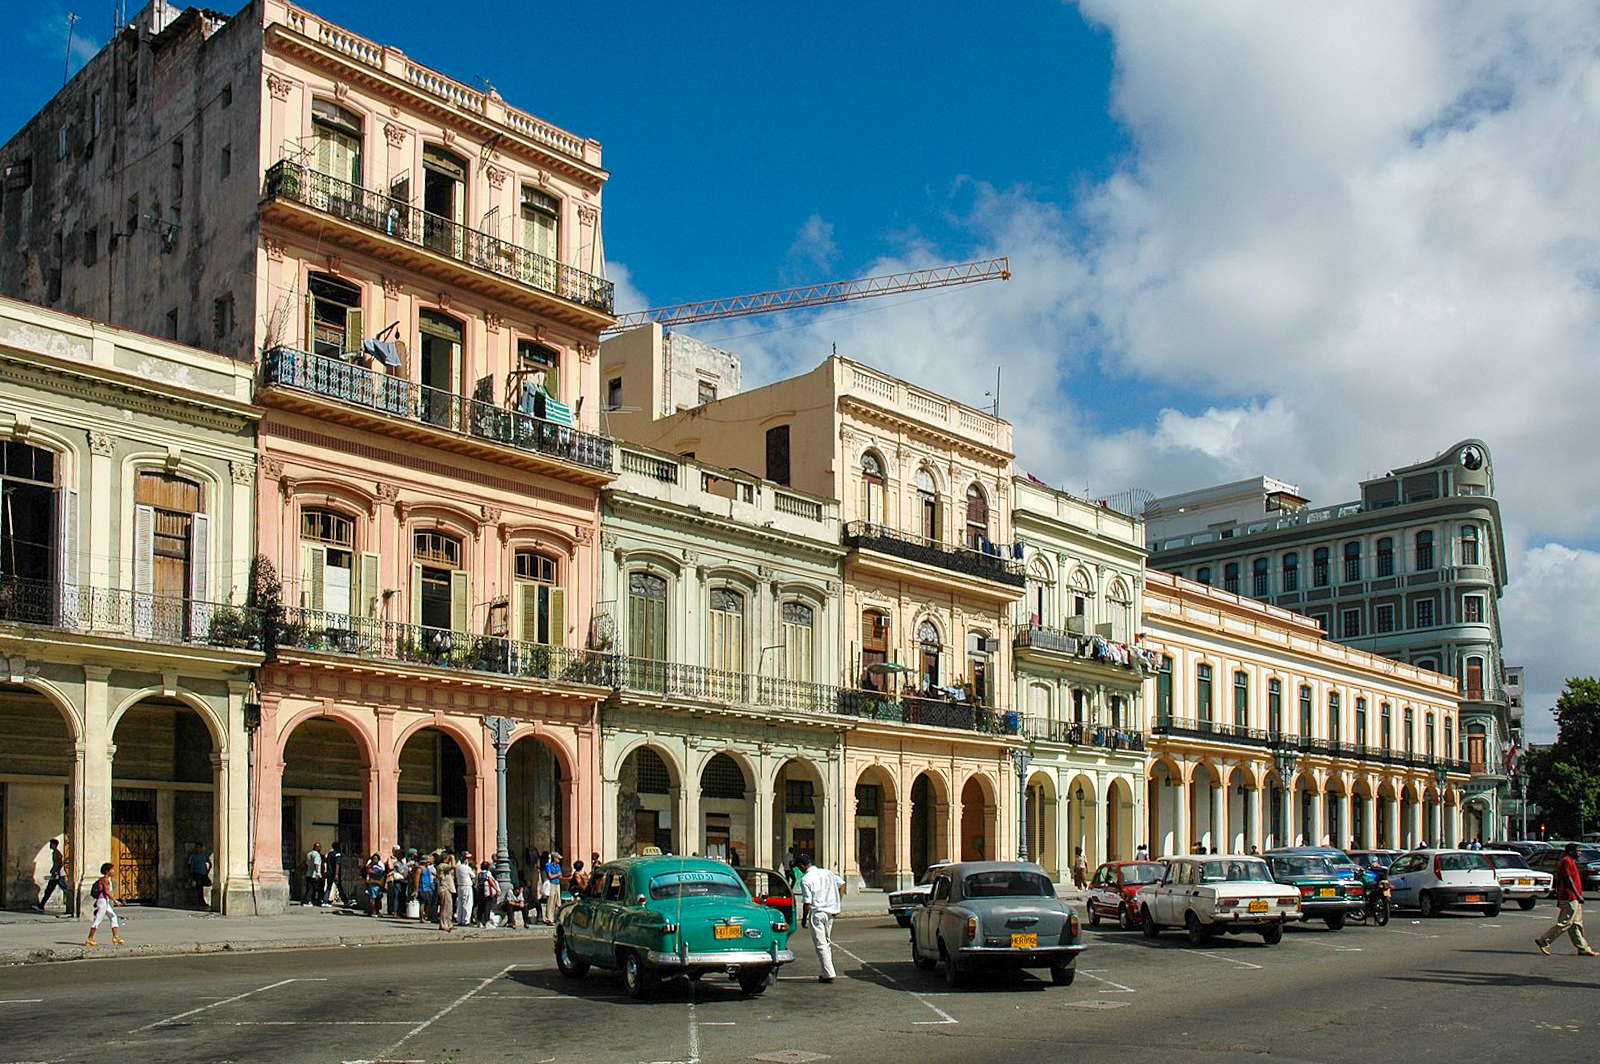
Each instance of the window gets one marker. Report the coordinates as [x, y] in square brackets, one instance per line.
[336, 143]
[444, 202]
[778, 454]
[1424, 551]
[1333, 716]
[1202, 575]
[1427, 734]
[333, 577]
[336, 323]
[130, 72]
[91, 245]
[1472, 609]
[1469, 545]
[1164, 689]
[1472, 681]
[541, 234]
[869, 799]
[874, 649]
[872, 489]
[1080, 704]
[440, 588]
[177, 172]
[222, 317]
[1352, 562]
[978, 668]
[1385, 731]
[1424, 613]
[38, 537]
[1241, 699]
[722, 778]
[171, 544]
[226, 164]
[227, 96]
[1361, 722]
[61, 141]
[1410, 720]
[614, 393]
[928, 642]
[707, 392]
[1386, 556]
[1230, 578]
[1120, 610]
[1117, 720]
[133, 215]
[1258, 579]
[1450, 738]
[1202, 692]
[1319, 567]
[798, 796]
[647, 616]
[1305, 712]
[439, 367]
[726, 643]
[1291, 571]
[799, 624]
[96, 117]
[539, 606]
[1349, 624]
[977, 518]
[540, 368]
[1384, 615]
[1477, 748]
[172, 324]
[1275, 706]
[927, 506]
[1039, 592]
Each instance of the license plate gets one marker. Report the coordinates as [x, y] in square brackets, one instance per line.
[1474, 898]
[1025, 941]
[729, 931]
[1524, 882]
[1327, 892]
[1258, 906]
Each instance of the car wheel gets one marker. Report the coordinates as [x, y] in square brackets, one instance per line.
[1151, 928]
[570, 966]
[920, 959]
[1197, 931]
[1335, 922]
[1429, 907]
[1063, 974]
[753, 981]
[1492, 911]
[638, 979]
[1525, 903]
[1124, 918]
[952, 971]
[1273, 934]
[1094, 916]
[903, 919]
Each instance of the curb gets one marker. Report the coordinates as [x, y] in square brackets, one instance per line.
[14, 957]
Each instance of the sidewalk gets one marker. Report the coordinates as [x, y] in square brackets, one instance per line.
[27, 938]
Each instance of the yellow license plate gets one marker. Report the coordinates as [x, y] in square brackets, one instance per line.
[1258, 906]
[1327, 892]
[730, 931]
[1025, 941]
[1524, 882]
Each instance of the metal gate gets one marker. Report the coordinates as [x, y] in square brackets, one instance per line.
[135, 845]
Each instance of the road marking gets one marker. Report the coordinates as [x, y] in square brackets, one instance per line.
[1118, 988]
[22, 1001]
[1230, 960]
[225, 1001]
[442, 1013]
[719, 1023]
[944, 1017]
[308, 1023]
[1413, 934]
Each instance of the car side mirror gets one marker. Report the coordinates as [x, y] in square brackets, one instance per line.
[926, 899]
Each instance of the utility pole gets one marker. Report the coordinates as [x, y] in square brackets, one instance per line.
[66, 65]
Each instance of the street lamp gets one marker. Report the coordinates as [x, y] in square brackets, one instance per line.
[1441, 772]
[1021, 758]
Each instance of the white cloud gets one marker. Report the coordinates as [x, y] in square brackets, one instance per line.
[813, 250]
[1551, 612]
[628, 297]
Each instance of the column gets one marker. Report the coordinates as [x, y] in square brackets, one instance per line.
[231, 874]
[1180, 816]
[382, 794]
[499, 729]
[271, 883]
[94, 845]
[1099, 804]
[1061, 827]
[1393, 814]
[1256, 826]
[686, 807]
[1021, 758]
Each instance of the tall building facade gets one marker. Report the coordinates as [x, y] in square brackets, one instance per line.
[128, 473]
[1080, 677]
[1264, 734]
[414, 265]
[1412, 570]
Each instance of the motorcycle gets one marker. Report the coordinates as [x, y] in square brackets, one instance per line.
[1376, 900]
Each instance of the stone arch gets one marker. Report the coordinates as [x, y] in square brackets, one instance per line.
[439, 798]
[214, 727]
[470, 741]
[728, 814]
[539, 797]
[1083, 820]
[164, 787]
[647, 798]
[40, 741]
[1119, 819]
[326, 779]
[929, 797]
[799, 808]
[1039, 821]
[980, 828]
[876, 819]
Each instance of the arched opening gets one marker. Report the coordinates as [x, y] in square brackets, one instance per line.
[927, 516]
[928, 811]
[1119, 820]
[647, 792]
[1431, 819]
[1410, 831]
[727, 816]
[163, 798]
[1039, 823]
[798, 809]
[1275, 813]
[36, 773]
[1082, 823]
[978, 817]
[1163, 803]
[1335, 827]
[1360, 815]
[324, 800]
[1241, 801]
[1383, 817]
[536, 803]
[876, 860]
[435, 795]
[977, 518]
[1305, 804]
[872, 489]
[928, 658]
[1206, 826]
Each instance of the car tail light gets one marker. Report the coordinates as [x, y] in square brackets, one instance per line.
[1073, 925]
[669, 929]
[1228, 903]
[972, 928]
[780, 926]
[1305, 892]
[1438, 867]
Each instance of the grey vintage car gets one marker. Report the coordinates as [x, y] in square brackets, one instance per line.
[991, 915]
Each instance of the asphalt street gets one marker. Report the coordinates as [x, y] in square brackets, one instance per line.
[1459, 988]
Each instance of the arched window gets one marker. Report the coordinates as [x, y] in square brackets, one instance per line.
[1361, 722]
[1477, 748]
[978, 668]
[1469, 545]
[1202, 692]
[1385, 728]
[1319, 567]
[1241, 699]
[1275, 706]
[722, 778]
[1333, 716]
[1352, 562]
[647, 616]
[928, 646]
[799, 626]
[977, 518]
[1082, 591]
[1230, 578]
[1202, 575]
[336, 135]
[1291, 571]
[1427, 733]
[538, 606]
[441, 589]
[927, 506]
[1041, 588]
[726, 643]
[1386, 556]
[1305, 712]
[1120, 611]
[1410, 730]
[1472, 678]
[874, 649]
[333, 577]
[872, 489]
[1258, 578]
[1424, 551]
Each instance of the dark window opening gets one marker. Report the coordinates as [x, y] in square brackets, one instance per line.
[778, 454]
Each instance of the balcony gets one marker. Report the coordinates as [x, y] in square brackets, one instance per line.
[355, 385]
[1068, 733]
[859, 535]
[1038, 637]
[120, 614]
[1089, 648]
[399, 221]
[1237, 735]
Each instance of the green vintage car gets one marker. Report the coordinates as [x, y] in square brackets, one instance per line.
[1323, 894]
[658, 916]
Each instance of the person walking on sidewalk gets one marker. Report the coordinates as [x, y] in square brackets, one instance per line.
[333, 875]
[58, 878]
[1569, 905]
[104, 896]
[1080, 868]
[444, 882]
[313, 895]
[465, 876]
[199, 873]
[822, 890]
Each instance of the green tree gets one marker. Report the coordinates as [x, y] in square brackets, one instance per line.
[1564, 779]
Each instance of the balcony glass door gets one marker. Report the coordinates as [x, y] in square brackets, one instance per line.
[444, 198]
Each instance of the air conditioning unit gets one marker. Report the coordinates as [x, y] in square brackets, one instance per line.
[1075, 625]
[1103, 630]
[991, 646]
[883, 622]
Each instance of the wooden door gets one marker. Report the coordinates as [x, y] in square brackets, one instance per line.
[135, 845]
[645, 830]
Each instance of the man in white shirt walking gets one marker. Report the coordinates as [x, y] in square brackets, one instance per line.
[822, 890]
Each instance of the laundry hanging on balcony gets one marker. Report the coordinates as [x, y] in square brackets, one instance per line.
[551, 409]
[385, 351]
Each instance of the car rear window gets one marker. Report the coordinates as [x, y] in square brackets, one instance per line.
[1007, 884]
[1301, 866]
[1462, 862]
[1137, 874]
[1234, 872]
[1506, 860]
[696, 883]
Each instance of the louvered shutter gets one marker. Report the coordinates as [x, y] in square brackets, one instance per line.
[144, 563]
[313, 561]
[67, 563]
[354, 328]
[199, 577]
[558, 617]
[525, 612]
[460, 601]
[366, 605]
[416, 593]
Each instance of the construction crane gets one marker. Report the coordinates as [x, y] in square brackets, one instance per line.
[816, 295]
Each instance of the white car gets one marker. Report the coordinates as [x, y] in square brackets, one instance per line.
[902, 903]
[1518, 882]
[1436, 880]
[1210, 895]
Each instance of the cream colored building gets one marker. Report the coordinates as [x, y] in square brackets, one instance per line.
[1264, 734]
[128, 469]
[1080, 677]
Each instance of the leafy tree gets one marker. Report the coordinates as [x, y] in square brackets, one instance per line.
[266, 598]
[1564, 779]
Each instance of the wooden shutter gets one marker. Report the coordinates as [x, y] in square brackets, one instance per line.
[460, 601]
[416, 592]
[313, 576]
[199, 576]
[525, 611]
[67, 557]
[354, 328]
[144, 563]
[366, 605]
[557, 635]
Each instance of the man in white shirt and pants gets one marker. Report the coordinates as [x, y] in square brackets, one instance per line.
[821, 889]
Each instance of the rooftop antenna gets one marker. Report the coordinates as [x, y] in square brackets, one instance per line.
[66, 64]
[995, 395]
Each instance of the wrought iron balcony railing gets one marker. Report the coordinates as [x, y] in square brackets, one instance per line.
[124, 614]
[401, 221]
[1070, 733]
[373, 389]
[1218, 731]
[860, 535]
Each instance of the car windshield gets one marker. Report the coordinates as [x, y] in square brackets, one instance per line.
[928, 873]
[1007, 883]
[1301, 866]
[696, 883]
[1506, 860]
[1234, 872]
[1462, 862]
[1134, 875]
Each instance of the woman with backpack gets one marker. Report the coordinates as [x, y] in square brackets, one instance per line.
[103, 894]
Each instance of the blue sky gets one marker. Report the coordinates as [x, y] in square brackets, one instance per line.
[1311, 241]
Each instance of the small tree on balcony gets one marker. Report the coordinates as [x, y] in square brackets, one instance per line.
[266, 598]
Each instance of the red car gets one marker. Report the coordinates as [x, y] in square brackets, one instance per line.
[768, 888]
[1112, 887]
